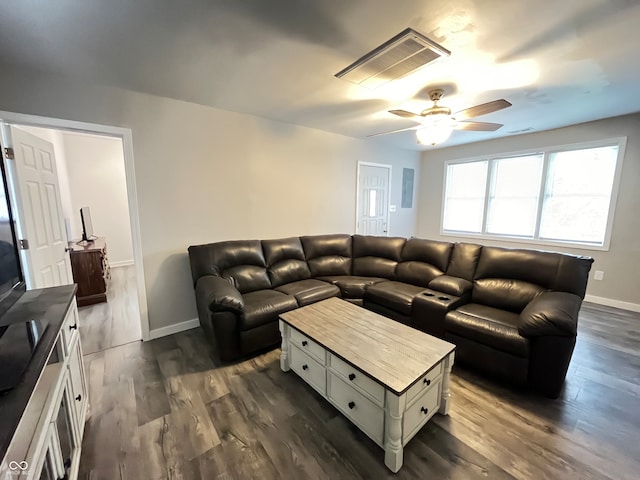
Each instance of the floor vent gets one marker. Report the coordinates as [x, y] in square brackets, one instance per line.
[395, 58]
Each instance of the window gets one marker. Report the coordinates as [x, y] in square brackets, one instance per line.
[554, 195]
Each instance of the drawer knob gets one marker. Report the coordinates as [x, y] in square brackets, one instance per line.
[351, 405]
[304, 343]
[352, 376]
[305, 367]
[73, 327]
[79, 397]
[424, 410]
[427, 381]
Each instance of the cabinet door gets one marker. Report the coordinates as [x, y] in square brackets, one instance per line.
[78, 385]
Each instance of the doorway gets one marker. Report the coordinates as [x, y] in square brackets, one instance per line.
[372, 205]
[96, 170]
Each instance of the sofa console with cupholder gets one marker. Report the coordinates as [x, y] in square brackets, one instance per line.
[512, 313]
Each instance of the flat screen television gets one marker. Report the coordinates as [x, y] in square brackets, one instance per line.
[87, 226]
[12, 284]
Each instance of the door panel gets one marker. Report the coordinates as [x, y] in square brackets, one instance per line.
[40, 220]
[373, 199]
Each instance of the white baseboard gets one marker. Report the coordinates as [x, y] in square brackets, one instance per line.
[175, 328]
[609, 302]
[124, 263]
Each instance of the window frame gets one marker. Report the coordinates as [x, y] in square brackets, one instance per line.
[621, 142]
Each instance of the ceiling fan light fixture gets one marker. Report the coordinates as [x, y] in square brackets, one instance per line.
[434, 134]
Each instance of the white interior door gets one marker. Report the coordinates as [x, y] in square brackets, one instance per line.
[36, 194]
[373, 199]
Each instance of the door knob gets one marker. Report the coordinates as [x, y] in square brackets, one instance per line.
[67, 249]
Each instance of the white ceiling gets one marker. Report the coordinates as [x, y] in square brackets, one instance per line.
[558, 62]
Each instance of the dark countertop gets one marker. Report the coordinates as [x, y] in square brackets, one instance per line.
[50, 304]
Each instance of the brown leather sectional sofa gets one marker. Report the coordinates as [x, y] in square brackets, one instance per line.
[511, 313]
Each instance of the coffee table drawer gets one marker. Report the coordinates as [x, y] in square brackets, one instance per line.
[357, 378]
[421, 410]
[308, 346]
[309, 370]
[425, 382]
[356, 407]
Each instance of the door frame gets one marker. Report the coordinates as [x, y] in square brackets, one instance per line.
[372, 164]
[125, 135]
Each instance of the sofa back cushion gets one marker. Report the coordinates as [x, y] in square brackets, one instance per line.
[422, 261]
[328, 254]
[376, 256]
[285, 261]
[239, 261]
[507, 294]
[516, 276]
[464, 260]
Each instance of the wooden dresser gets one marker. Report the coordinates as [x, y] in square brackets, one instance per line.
[90, 268]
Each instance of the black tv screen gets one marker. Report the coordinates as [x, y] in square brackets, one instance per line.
[87, 226]
[11, 279]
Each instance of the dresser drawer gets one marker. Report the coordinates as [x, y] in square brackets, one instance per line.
[356, 377]
[307, 345]
[309, 369]
[425, 382]
[356, 407]
[421, 410]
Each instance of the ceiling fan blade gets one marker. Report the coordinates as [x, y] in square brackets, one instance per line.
[478, 126]
[481, 109]
[405, 114]
[395, 131]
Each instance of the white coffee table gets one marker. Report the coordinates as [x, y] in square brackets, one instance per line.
[387, 378]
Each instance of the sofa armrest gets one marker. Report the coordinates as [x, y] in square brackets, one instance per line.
[551, 313]
[219, 294]
[451, 285]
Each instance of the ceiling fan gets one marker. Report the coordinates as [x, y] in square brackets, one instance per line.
[437, 122]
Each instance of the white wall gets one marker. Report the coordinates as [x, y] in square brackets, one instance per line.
[621, 263]
[205, 175]
[95, 168]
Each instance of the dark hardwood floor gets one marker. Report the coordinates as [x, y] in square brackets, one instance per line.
[163, 410]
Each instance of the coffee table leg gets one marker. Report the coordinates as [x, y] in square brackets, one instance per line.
[284, 356]
[445, 400]
[393, 452]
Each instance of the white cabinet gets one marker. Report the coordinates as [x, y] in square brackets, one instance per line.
[48, 439]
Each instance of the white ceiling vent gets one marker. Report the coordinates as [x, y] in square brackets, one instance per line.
[395, 58]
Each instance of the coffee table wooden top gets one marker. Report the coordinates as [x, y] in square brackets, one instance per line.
[391, 353]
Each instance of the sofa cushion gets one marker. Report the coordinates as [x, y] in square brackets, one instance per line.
[422, 261]
[397, 296]
[464, 260]
[451, 285]
[416, 273]
[488, 326]
[328, 254]
[285, 260]
[427, 251]
[228, 260]
[264, 306]
[550, 270]
[376, 256]
[506, 294]
[247, 278]
[352, 287]
[309, 291]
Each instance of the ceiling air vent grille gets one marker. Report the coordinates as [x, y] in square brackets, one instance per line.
[395, 58]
